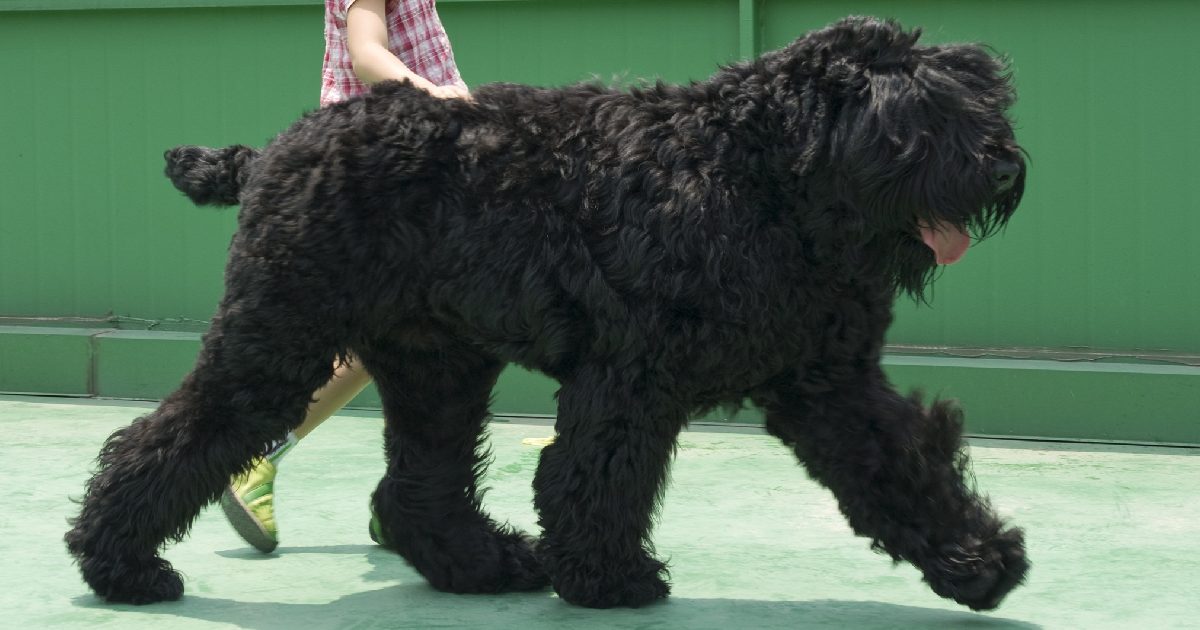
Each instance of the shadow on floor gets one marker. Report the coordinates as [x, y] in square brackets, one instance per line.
[415, 605]
[246, 553]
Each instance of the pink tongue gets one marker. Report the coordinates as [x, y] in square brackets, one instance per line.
[949, 244]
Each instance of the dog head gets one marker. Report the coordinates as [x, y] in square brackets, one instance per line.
[912, 143]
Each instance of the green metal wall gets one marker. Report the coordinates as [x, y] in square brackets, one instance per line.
[88, 226]
[1105, 251]
[1101, 261]
[1103, 254]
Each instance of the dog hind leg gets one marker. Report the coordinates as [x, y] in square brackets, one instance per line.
[251, 384]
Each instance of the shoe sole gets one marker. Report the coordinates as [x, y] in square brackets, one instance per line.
[377, 535]
[245, 524]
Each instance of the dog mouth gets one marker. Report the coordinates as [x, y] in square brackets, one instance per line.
[948, 242]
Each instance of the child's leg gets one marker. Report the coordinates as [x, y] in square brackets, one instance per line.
[249, 501]
[349, 379]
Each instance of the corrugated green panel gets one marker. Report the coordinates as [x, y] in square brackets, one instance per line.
[93, 226]
[554, 43]
[1104, 251]
[1098, 257]
[1102, 255]
[91, 5]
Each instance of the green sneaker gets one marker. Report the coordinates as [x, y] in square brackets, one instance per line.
[375, 531]
[248, 504]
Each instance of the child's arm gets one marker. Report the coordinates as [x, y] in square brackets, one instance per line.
[367, 41]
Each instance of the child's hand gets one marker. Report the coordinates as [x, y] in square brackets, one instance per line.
[451, 91]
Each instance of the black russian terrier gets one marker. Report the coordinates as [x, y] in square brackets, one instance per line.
[658, 251]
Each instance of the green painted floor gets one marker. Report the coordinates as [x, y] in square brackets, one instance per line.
[1114, 535]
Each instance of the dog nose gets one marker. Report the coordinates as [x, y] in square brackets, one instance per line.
[1005, 174]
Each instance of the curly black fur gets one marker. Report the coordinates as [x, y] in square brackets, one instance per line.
[658, 251]
[210, 176]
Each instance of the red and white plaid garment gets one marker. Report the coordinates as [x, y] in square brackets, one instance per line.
[415, 35]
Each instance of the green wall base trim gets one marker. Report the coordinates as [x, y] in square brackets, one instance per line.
[1063, 400]
[1116, 402]
[142, 364]
[40, 360]
[1041, 365]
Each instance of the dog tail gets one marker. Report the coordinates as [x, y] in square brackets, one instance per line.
[210, 176]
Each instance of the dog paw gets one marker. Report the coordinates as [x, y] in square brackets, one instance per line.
[978, 574]
[612, 586]
[135, 583]
[480, 560]
[518, 567]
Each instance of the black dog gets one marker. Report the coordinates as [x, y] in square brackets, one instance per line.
[658, 251]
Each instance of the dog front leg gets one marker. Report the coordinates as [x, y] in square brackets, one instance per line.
[435, 402]
[900, 475]
[597, 488]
